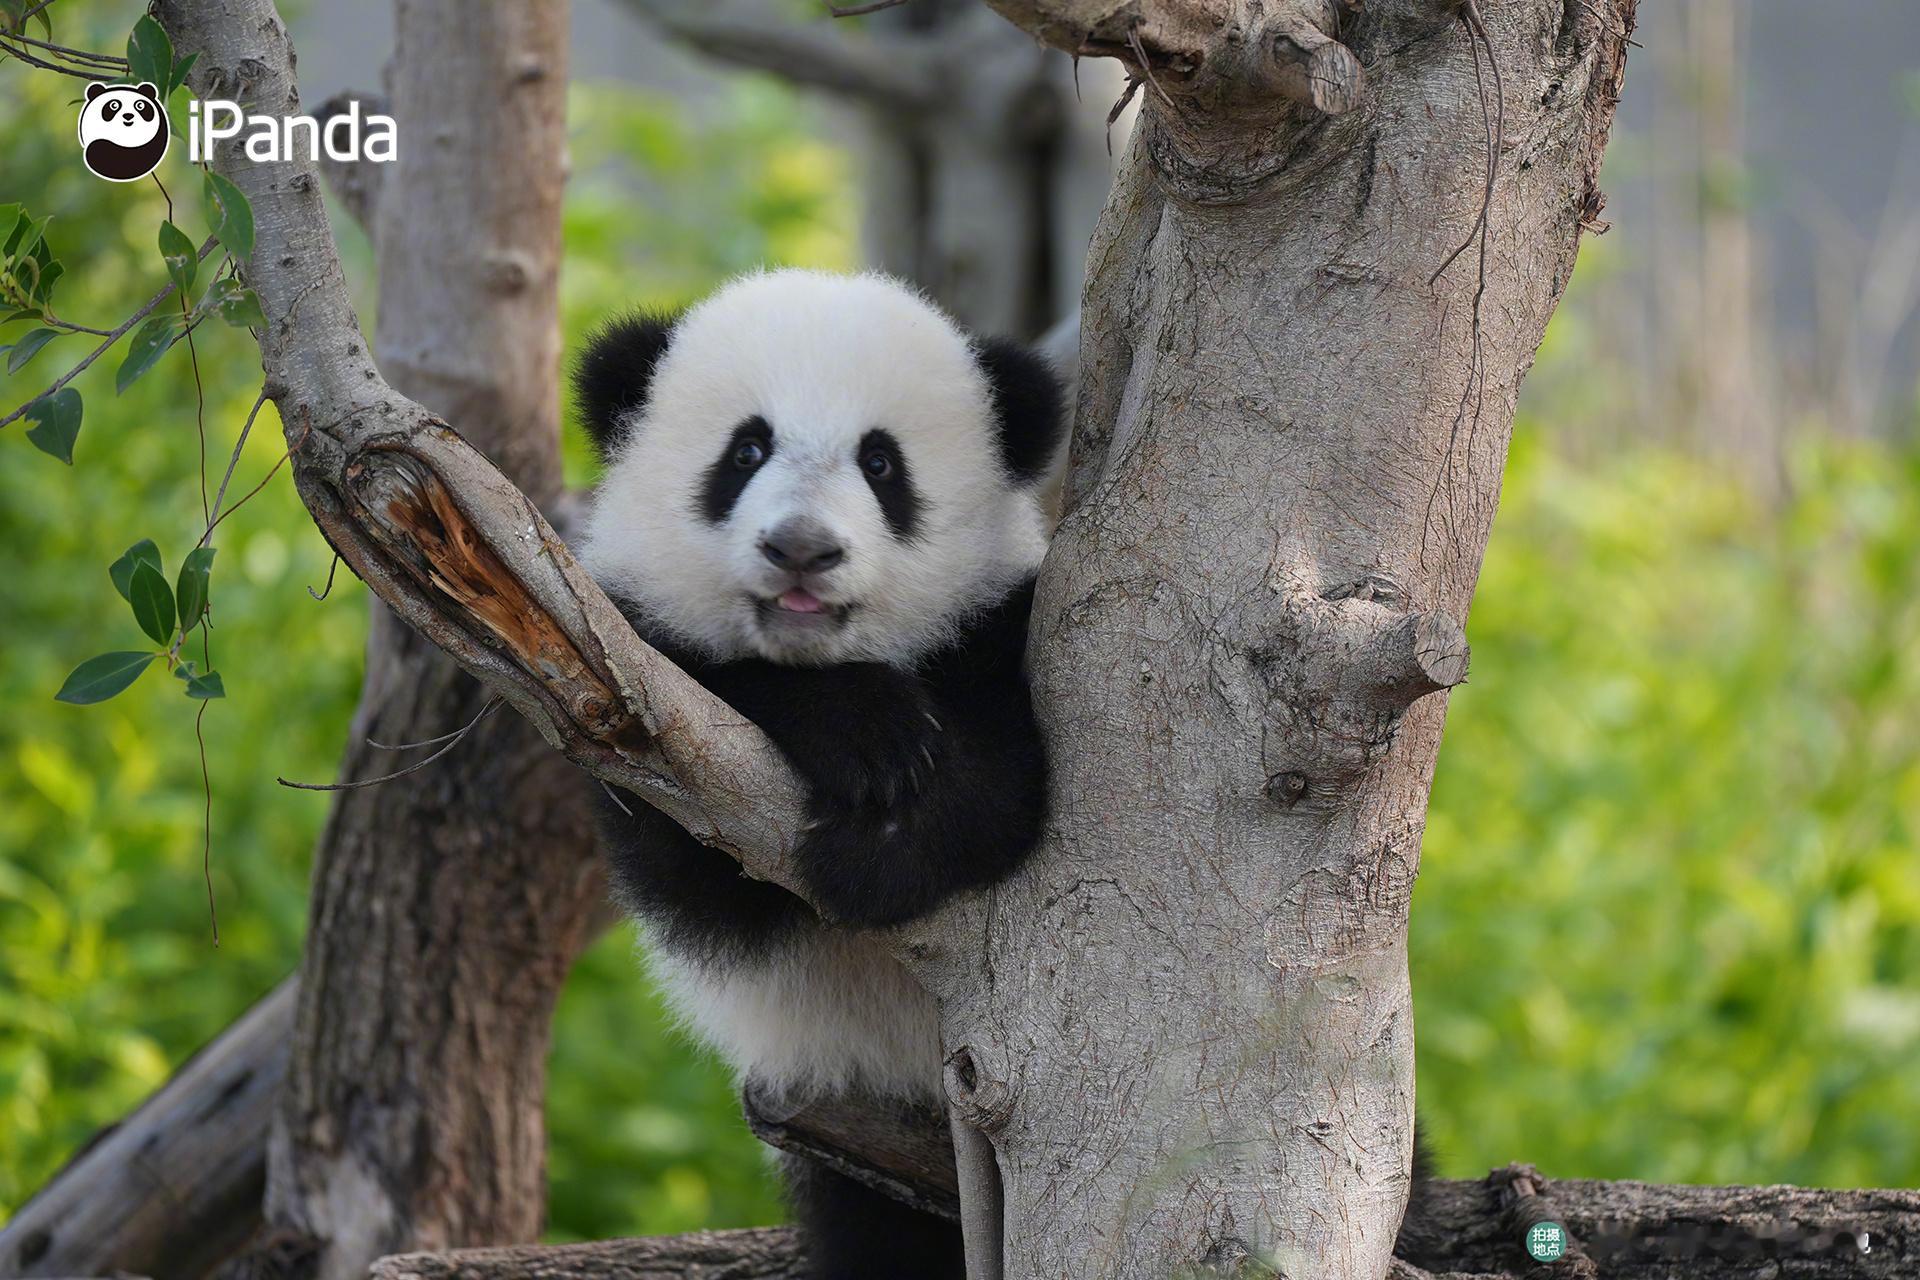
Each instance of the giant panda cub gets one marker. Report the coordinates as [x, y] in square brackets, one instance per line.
[822, 499]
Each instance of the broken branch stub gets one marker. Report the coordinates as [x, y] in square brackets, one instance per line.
[1304, 65]
[1203, 49]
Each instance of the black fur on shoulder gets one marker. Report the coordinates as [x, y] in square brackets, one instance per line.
[922, 784]
[615, 371]
[1028, 405]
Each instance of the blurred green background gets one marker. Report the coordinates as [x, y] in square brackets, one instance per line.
[1669, 921]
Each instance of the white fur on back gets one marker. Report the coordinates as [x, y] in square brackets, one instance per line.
[829, 1012]
[824, 359]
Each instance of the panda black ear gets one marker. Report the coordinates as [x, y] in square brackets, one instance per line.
[614, 373]
[95, 89]
[146, 89]
[1029, 406]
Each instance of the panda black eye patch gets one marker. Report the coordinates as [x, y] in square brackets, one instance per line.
[726, 478]
[884, 467]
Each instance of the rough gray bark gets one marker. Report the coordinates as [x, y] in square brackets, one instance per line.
[763, 1253]
[1288, 451]
[176, 1186]
[1287, 454]
[1633, 1230]
[446, 909]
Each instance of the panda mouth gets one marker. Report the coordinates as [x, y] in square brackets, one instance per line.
[798, 607]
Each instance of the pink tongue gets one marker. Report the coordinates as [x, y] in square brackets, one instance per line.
[800, 600]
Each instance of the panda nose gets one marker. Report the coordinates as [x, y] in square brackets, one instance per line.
[801, 546]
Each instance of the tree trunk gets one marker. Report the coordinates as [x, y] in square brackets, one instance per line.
[1189, 1038]
[1183, 1029]
[447, 906]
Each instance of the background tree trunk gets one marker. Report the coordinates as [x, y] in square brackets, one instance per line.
[447, 907]
[985, 161]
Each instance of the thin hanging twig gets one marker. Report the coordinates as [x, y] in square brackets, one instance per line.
[454, 739]
[434, 742]
[326, 591]
[614, 796]
[1146, 68]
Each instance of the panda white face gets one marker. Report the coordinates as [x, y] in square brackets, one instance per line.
[816, 477]
[124, 115]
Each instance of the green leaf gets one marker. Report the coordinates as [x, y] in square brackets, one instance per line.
[232, 216]
[28, 235]
[183, 262]
[121, 570]
[237, 304]
[56, 423]
[242, 310]
[207, 686]
[29, 347]
[43, 287]
[98, 679]
[177, 109]
[21, 313]
[150, 342]
[180, 70]
[150, 54]
[152, 601]
[192, 587]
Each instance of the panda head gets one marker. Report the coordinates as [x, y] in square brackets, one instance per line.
[127, 115]
[815, 469]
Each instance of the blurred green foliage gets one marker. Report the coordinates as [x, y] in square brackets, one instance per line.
[1670, 921]
[1668, 925]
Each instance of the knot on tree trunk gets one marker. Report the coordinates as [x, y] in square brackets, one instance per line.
[982, 1100]
[1338, 671]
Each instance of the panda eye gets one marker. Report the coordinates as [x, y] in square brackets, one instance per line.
[877, 463]
[749, 454]
[145, 109]
[111, 106]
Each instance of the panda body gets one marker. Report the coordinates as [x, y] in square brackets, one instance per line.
[822, 499]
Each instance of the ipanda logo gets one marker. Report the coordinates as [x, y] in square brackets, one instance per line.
[345, 136]
[124, 132]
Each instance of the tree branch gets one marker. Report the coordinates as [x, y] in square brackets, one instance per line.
[1638, 1230]
[440, 536]
[873, 67]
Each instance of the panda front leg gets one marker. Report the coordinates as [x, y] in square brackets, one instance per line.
[915, 794]
[853, 1232]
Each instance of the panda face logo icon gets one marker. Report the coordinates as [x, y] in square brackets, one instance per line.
[123, 130]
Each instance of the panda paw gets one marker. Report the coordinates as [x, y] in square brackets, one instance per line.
[885, 764]
[859, 871]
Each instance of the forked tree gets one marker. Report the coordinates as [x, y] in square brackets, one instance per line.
[1181, 1037]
